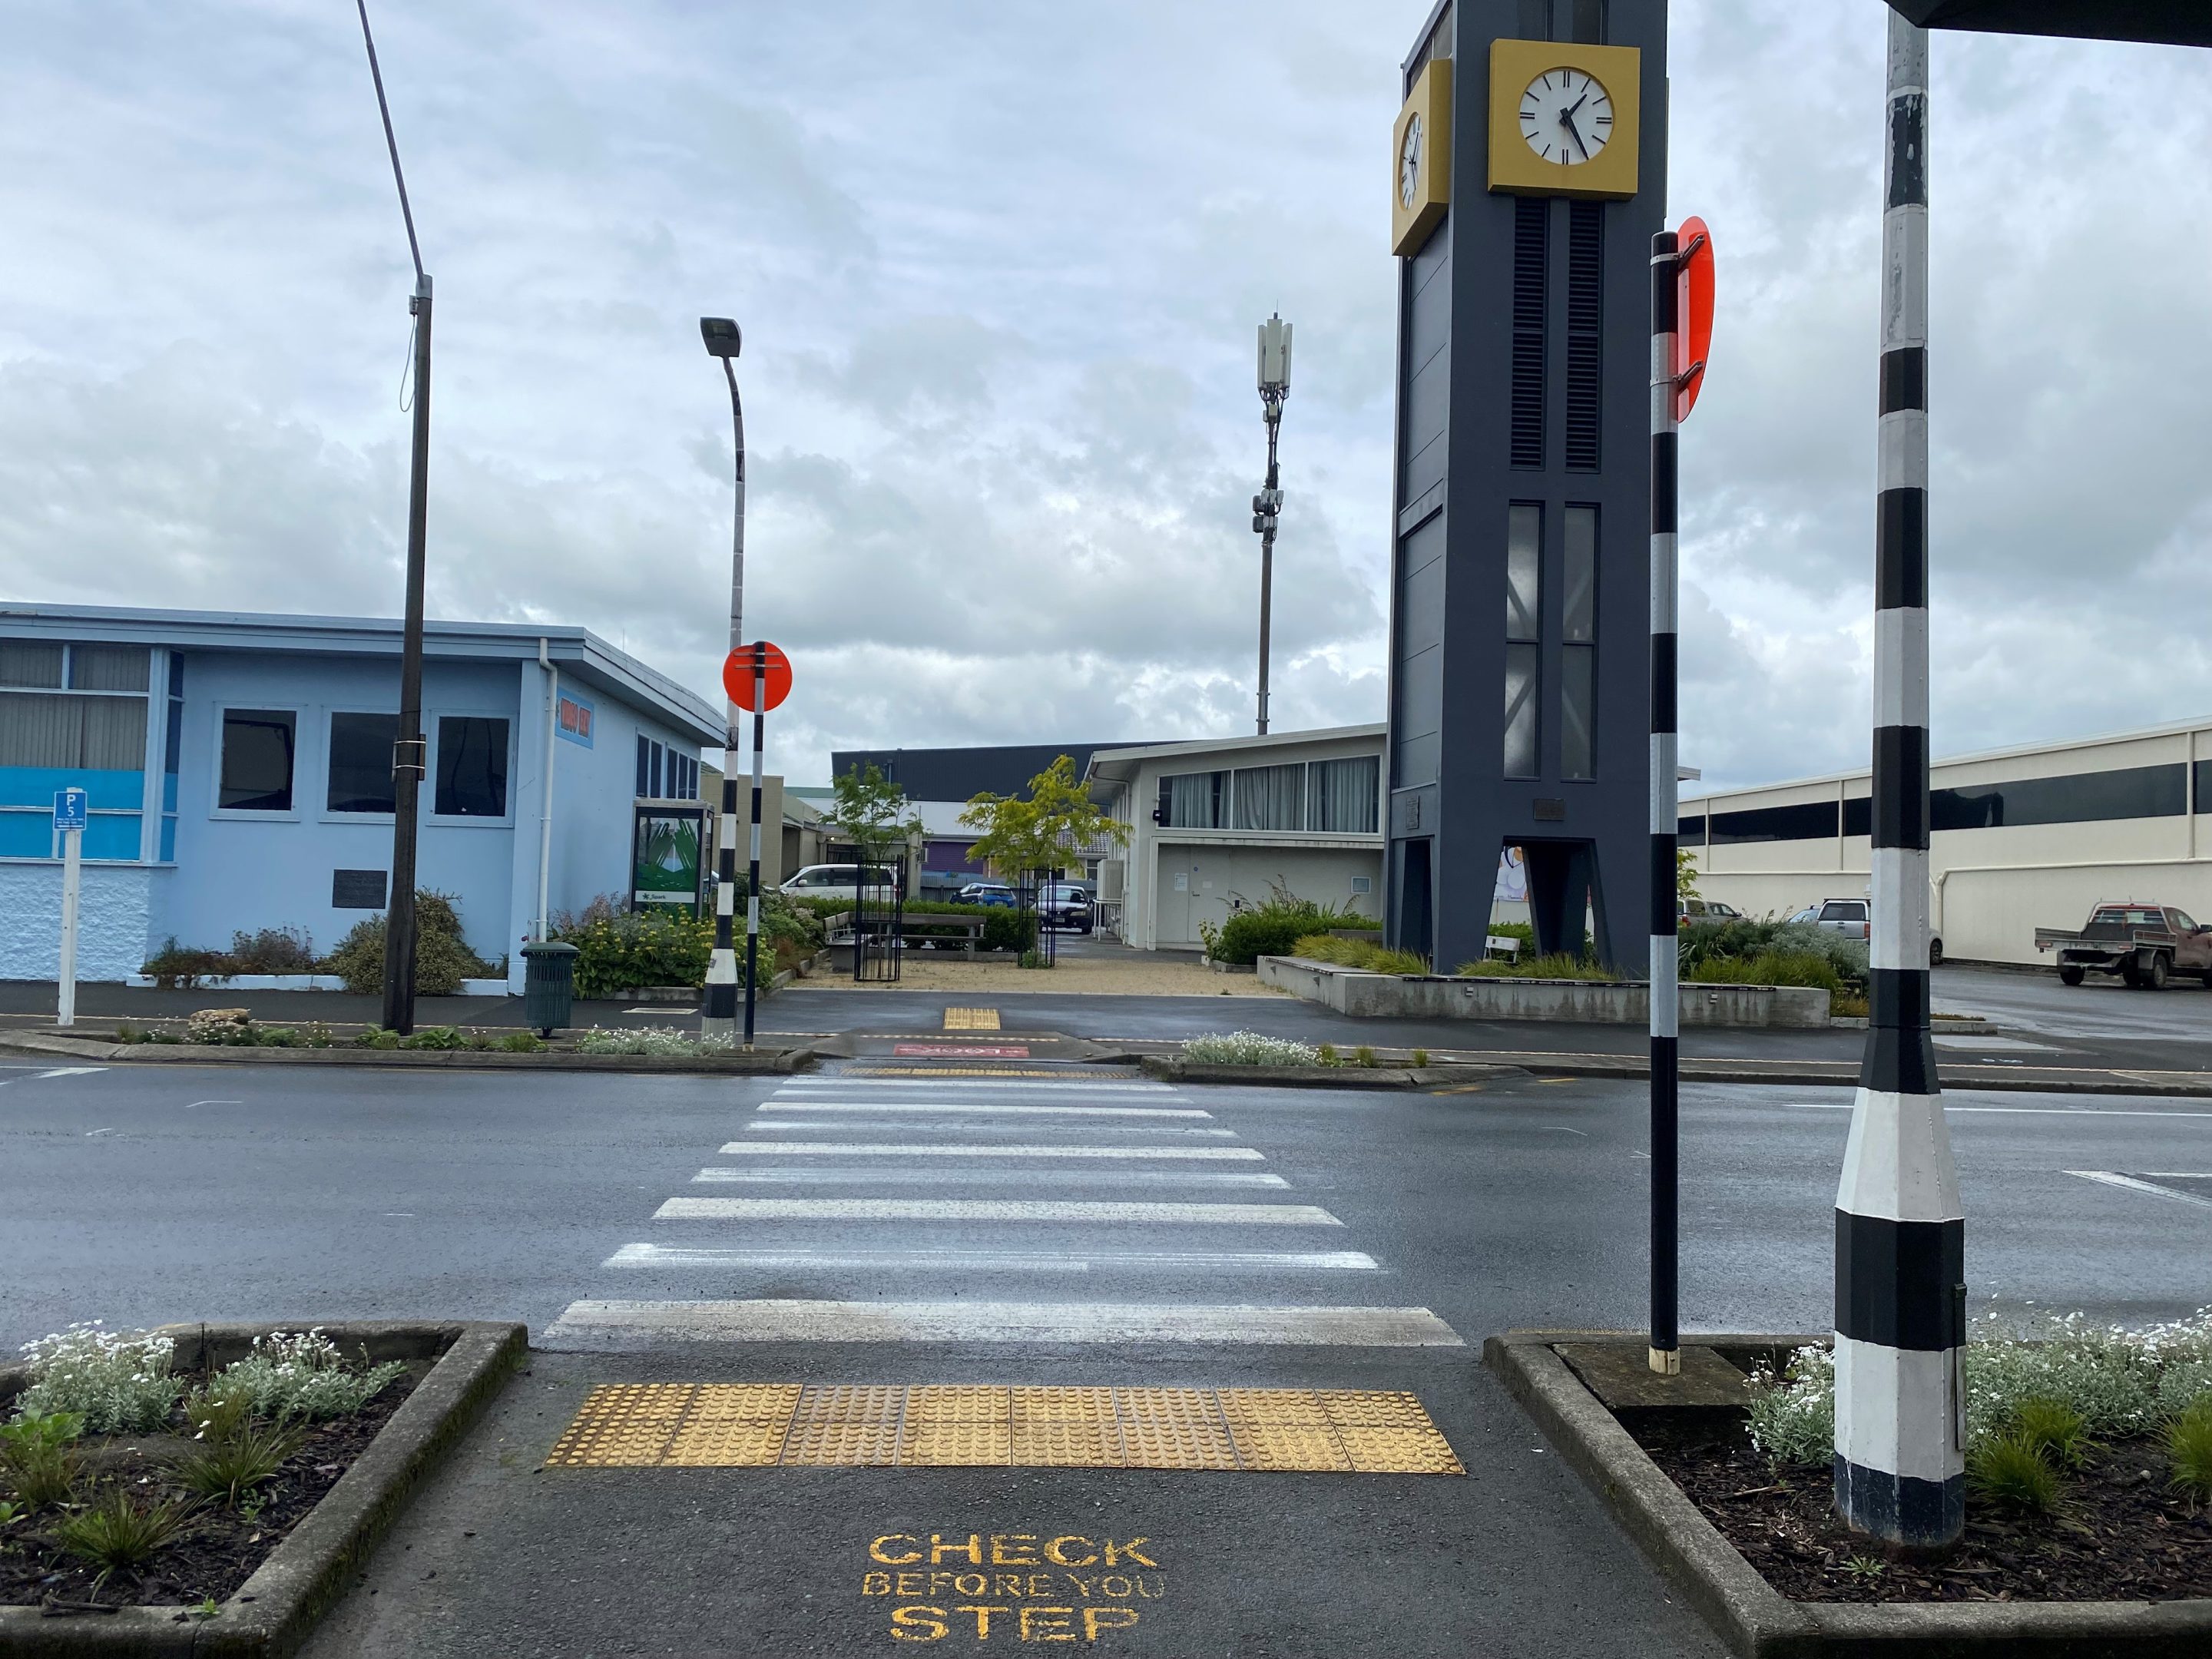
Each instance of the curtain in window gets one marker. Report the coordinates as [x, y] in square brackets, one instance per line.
[1341, 795]
[108, 667]
[101, 733]
[1270, 797]
[1191, 798]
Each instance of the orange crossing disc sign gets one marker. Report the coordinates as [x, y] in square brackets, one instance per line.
[738, 672]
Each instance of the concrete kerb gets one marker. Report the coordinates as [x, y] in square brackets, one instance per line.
[761, 1061]
[271, 1614]
[1322, 1077]
[1753, 1619]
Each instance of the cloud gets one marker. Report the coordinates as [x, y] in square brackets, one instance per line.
[998, 287]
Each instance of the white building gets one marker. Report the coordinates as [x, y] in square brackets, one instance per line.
[1218, 824]
[2022, 838]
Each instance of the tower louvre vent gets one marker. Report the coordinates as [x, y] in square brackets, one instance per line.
[1585, 332]
[1531, 225]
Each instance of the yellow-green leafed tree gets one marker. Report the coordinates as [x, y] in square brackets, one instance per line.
[1049, 831]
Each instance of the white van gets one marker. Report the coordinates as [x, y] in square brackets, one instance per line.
[841, 881]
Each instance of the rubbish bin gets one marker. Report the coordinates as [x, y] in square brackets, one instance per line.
[549, 986]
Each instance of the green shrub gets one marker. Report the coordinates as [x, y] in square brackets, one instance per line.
[1272, 929]
[37, 1456]
[1802, 967]
[273, 950]
[651, 1040]
[2053, 1428]
[116, 1383]
[118, 1531]
[1359, 953]
[1793, 1411]
[442, 956]
[1741, 939]
[1523, 931]
[1327, 1055]
[1551, 967]
[1420, 1058]
[302, 1374]
[1363, 1056]
[1247, 1049]
[2188, 1445]
[520, 1042]
[231, 1465]
[174, 967]
[376, 1037]
[435, 1037]
[2010, 1470]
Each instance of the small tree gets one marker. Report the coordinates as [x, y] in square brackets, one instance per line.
[1057, 823]
[873, 814]
[1686, 875]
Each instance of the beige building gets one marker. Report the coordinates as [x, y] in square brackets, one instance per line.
[1217, 824]
[2021, 838]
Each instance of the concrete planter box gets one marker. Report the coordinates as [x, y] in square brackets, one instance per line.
[1754, 1619]
[274, 1611]
[1440, 996]
[469, 987]
[1394, 1075]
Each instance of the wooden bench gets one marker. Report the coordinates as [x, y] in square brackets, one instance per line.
[968, 930]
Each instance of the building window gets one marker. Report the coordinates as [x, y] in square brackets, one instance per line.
[471, 766]
[1270, 797]
[1813, 820]
[1578, 655]
[2127, 791]
[1524, 612]
[1690, 829]
[105, 734]
[1342, 795]
[1192, 800]
[360, 763]
[257, 760]
[24, 663]
[108, 667]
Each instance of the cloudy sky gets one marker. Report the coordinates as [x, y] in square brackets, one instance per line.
[998, 266]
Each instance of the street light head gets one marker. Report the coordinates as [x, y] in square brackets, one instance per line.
[1275, 359]
[720, 335]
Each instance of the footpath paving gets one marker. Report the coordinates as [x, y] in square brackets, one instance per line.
[999, 1353]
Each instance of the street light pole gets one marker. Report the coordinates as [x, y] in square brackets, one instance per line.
[408, 749]
[1267, 505]
[719, 1016]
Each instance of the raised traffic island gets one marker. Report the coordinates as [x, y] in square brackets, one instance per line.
[1364, 994]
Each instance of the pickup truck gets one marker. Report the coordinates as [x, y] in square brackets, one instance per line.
[2143, 943]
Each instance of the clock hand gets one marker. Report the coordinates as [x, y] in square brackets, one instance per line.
[1567, 120]
[1577, 104]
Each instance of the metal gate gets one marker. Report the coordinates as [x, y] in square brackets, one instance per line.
[879, 915]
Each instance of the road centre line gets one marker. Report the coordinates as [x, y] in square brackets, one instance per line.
[872, 1149]
[2017, 1111]
[977, 1108]
[70, 1071]
[607, 1325]
[863, 1176]
[1081, 1262]
[980, 1209]
[2130, 1183]
[823, 1125]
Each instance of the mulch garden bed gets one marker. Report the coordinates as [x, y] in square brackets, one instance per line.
[219, 1547]
[2122, 1533]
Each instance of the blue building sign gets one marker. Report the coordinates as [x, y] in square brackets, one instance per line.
[72, 809]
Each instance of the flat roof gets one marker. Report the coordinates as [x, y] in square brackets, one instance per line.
[1130, 758]
[579, 653]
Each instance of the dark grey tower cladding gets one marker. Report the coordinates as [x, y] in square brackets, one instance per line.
[1519, 634]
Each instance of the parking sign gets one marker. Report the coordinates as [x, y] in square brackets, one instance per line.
[71, 809]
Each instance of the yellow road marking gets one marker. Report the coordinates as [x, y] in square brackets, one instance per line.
[786, 1425]
[972, 1019]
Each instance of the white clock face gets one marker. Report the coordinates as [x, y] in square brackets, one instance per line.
[1409, 163]
[1566, 116]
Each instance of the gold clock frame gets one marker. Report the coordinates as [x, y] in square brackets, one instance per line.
[1431, 101]
[1514, 169]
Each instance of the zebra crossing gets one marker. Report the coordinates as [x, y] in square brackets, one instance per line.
[915, 1207]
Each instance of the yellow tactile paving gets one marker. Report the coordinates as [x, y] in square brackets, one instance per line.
[972, 1019]
[755, 1426]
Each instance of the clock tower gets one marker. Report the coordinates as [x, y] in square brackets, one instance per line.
[1528, 176]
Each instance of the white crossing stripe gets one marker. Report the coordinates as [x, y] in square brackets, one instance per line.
[820, 1125]
[962, 1084]
[976, 1108]
[2112, 1178]
[984, 1209]
[871, 1149]
[1084, 1261]
[72, 1071]
[876, 1177]
[616, 1326]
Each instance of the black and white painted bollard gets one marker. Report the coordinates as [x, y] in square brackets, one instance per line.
[1665, 1352]
[1901, 1233]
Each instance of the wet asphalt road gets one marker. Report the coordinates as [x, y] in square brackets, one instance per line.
[139, 1194]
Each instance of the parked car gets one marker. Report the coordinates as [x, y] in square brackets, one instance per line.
[1698, 910]
[1850, 916]
[1062, 904]
[2143, 943]
[842, 881]
[995, 894]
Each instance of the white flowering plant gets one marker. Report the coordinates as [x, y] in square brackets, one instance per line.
[1249, 1049]
[2118, 1381]
[117, 1384]
[301, 1375]
[651, 1040]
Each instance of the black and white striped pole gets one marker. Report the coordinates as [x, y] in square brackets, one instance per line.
[719, 1016]
[1900, 1232]
[759, 653]
[1665, 1352]
[1681, 330]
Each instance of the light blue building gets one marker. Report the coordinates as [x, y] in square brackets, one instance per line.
[239, 769]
